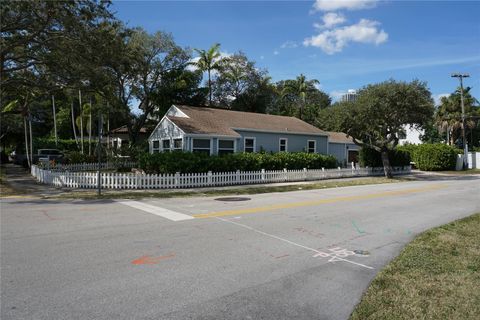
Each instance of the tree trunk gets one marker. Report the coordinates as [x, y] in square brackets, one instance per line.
[209, 90]
[90, 130]
[26, 140]
[74, 127]
[54, 121]
[386, 163]
[81, 119]
[31, 140]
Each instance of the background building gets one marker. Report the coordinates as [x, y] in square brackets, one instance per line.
[350, 96]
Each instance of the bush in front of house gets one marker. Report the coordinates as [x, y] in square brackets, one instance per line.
[435, 157]
[369, 157]
[187, 162]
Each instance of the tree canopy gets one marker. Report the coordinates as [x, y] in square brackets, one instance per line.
[379, 114]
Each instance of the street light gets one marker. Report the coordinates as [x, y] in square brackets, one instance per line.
[465, 144]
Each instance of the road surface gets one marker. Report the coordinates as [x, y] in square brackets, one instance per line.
[296, 255]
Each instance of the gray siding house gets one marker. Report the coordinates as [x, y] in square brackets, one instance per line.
[343, 148]
[220, 131]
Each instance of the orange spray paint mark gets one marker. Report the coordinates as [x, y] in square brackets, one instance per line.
[151, 260]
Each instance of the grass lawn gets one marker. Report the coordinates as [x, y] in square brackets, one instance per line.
[469, 171]
[437, 276]
[132, 194]
[5, 189]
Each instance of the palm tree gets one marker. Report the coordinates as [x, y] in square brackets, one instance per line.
[208, 61]
[448, 117]
[299, 88]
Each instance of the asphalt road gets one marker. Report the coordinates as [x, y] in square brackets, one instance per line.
[297, 255]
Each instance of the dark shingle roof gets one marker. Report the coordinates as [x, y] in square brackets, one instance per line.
[222, 122]
[338, 137]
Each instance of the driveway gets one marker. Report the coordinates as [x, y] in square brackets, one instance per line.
[295, 255]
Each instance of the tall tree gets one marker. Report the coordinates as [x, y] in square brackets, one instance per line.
[298, 90]
[208, 61]
[379, 114]
[448, 117]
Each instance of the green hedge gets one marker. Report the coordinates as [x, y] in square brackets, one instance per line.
[186, 162]
[369, 157]
[435, 157]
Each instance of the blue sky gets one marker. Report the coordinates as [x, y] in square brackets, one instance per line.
[345, 45]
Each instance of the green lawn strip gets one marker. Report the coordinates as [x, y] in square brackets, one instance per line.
[469, 171]
[5, 188]
[437, 276]
[223, 192]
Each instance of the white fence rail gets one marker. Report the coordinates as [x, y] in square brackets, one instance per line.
[87, 166]
[473, 161]
[88, 180]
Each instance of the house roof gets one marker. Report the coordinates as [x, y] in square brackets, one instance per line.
[124, 129]
[338, 137]
[203, 120]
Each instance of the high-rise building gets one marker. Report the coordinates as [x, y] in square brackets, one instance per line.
[350, 96]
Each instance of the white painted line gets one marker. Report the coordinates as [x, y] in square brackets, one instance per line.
[317, 252]
[162, 212]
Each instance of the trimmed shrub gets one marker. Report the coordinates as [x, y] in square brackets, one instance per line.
[187, 162]
[435, 157]
[369, 157]
[64, 145]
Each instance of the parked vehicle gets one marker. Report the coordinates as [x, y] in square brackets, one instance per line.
[43, 155]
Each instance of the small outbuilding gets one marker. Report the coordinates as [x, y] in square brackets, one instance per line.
[343, 148]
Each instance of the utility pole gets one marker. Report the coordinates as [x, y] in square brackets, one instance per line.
[465, 143]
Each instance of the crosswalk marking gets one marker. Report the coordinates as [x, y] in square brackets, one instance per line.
[159, 211]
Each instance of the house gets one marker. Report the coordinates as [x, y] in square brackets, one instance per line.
[411, 135]
[119, 136]
[343, 148]
[220, 131]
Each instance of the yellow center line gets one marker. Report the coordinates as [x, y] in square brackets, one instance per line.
[317, 202]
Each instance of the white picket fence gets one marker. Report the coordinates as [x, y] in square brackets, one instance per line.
[193, 180]
[87, 166]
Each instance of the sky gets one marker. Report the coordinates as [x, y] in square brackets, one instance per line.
[345, 44]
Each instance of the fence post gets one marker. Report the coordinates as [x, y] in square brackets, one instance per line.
[209, 177]
[177, 179]
[237, 177]
[305, 174]
[285, 174]
[263, 174]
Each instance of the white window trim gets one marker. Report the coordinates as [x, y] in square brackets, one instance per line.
[210, 139]
[159, 146]
[286, 144]
[314, 146]
[170, 144]
[254, 143]
[234, 144]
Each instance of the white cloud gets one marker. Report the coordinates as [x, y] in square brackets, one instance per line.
[276, 52]
[330, 19]
[333, 41]
[262, 57]
[336, 95]
[438, 97]
[333, 5]
[289, 45]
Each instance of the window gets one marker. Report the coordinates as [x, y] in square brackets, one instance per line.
[201, 145]
[283, 144]
[312, 146]
[226, 146]
[249, 145]
[166, 145]
[155, 146]
[178, 144]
